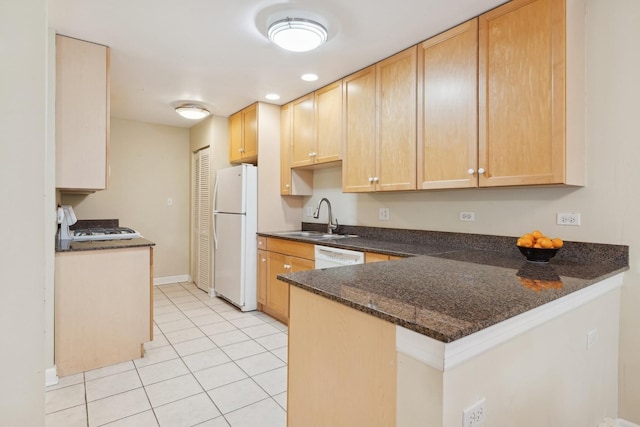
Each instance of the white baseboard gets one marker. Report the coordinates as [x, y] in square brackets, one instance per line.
[624, 423]
[171, 279]
[51, 376]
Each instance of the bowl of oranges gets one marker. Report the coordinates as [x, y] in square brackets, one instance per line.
[537, 247]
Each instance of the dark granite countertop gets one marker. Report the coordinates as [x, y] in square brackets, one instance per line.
[97, 245]
[452, 285]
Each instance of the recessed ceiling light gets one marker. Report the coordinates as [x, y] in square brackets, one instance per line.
[309, 77]
[272, 96]
[297, 34]
[192, 111]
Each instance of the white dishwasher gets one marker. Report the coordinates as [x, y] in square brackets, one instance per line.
[327, 257]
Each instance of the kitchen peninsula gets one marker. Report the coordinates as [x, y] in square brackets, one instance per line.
[103, 302]
[419, 340]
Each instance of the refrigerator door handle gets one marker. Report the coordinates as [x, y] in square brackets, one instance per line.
[215, 196]
[215, 235]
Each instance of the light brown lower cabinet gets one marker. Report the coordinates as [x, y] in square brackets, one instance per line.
[103, 301]
[280, 257]
[378, 257]
[342, 365]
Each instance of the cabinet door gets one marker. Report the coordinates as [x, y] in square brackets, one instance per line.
[285, 150]
[235, 137]
[359, 110]
[447, 109]
[301, 264]
[396, 87]
[82, 114]
[522, 93]
[328, 104]
[303, 131]
[375, 257]
[263, 276]
[278, 291]
[250, 133]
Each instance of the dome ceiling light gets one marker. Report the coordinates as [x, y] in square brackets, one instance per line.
[297, 34]
[192, 111]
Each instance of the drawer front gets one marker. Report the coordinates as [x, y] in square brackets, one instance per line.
[290, 247]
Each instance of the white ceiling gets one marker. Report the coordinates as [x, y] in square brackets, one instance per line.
[216, 52]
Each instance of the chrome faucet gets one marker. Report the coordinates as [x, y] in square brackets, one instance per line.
[330, 224]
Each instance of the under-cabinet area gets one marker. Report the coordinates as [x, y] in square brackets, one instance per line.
[103, 305]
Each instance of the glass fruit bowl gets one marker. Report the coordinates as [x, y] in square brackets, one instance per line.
[538, 254]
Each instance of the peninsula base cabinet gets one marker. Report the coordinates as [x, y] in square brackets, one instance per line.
[349, 368]
[103, 307]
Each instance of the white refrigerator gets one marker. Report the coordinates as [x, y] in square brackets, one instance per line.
[235, 223]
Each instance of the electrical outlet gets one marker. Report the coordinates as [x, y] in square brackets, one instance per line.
[592, 337]
[309, 211]
[383, 214]
[566, 218]
[467, 216]
[475, 414]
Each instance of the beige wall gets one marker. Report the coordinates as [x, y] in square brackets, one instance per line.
[27, 210]
[609, 204]
[149, 165]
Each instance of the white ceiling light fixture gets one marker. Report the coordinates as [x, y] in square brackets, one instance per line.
[297, 34]
[192, 111]
[309, 77]
[272, 96]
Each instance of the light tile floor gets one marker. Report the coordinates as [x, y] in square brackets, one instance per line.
[208, 365]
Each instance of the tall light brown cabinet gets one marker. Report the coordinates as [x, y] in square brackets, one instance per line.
[522, 95]
[243, 135]
[380, 126]
[448, 109]
[82, 115]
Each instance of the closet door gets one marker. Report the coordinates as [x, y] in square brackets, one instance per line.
[202, 220]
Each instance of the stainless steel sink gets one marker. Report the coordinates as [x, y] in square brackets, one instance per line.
[313, 235]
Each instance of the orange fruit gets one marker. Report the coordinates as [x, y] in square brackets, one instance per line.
[537, 246]
[525, 242]
[537, 234]
[545, 243]
[557, 243]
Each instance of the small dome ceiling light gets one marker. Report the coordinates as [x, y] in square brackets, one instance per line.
[192, 111]
[309, 77]
[297, 34]
[272, 96]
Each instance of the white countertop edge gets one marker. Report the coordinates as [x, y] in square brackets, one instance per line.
[445, 356]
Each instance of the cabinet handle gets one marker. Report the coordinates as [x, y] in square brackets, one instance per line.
[264, 260]
[259, 243]
[471, 171]
[376, 179]
[287, 266]
[370, 179]
[312, 154]
[287, 185]
[480, 171]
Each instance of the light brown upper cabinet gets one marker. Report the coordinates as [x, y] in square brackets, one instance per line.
[317, 127]
[292, 183]
[380, 126]
[448, 109]
[530, 117]
[243, 135]
[82, 115]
